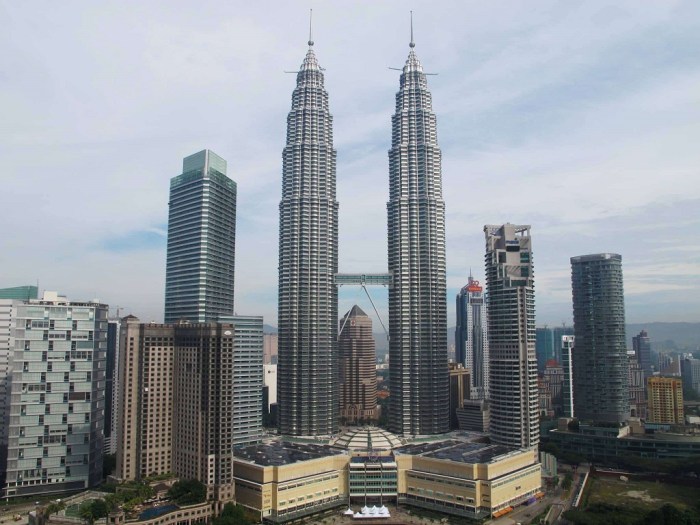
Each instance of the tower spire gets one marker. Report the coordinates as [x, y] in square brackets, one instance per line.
[311, 39]
[412, 44]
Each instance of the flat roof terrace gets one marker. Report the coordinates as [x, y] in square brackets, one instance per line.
[279, 453]
[458, 451]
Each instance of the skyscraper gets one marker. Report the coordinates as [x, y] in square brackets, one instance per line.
[513, 380]
[601, 369]
[308, 259]
[642, 349]
[416, 233]
[358, 368]
[201, 241]
[471, 338]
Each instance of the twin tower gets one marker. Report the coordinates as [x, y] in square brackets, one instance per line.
[308, 381]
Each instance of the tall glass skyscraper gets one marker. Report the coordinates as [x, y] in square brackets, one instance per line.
[201, 241]
[471, 337]
[601, 368]
[307, 391]
[416, 230]
[510, 285]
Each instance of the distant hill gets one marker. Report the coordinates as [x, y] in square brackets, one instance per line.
[269, 329]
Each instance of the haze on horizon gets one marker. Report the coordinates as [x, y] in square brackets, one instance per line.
[580, 119]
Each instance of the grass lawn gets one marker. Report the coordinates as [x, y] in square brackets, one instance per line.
[640, 495]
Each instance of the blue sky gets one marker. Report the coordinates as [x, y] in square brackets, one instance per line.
[581, 119]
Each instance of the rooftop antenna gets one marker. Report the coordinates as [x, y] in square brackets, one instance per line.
[412, 44]
[311, 16]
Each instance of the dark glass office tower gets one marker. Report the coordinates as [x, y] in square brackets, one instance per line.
[471, 338]
[201, 241]
[641, 344]
[416, 230]
[601, 369]
[307, 391]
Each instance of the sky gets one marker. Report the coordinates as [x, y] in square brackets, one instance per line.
[581, 119]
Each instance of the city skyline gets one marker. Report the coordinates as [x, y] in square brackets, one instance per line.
[614, 108]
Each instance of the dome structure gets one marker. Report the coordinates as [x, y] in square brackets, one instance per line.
[367, 438]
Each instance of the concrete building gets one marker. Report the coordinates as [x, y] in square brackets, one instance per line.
[358, 374]
[567, 390]
[665, 395]
[513, 379]
[601, 370]
[270, 345]
[55, 438]
[308, 260]
[145, 408]
[199, 273]
[474, 415]
[641, 344]
[471, 337]
[460, 385]
[416, 246]
[288, 481]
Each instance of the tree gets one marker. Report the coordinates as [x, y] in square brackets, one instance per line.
[232, 515]
[188, 492]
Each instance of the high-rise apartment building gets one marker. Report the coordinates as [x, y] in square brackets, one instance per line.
[201, 241]
[145, 407]
[471, 337]
[567, 364]
[601, 369]
[665, 396]
[416, 252]
[358, 368]
[513, 378]
[55, 441]
[641, 345]
[270, 345]
[308, 260]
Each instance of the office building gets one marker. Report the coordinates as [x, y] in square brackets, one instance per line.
[567, 364]
[553, 378]
[308, 260]
[416, 247]
[201, 241]
[459, 391]
[145, 407]
[474, 415]
[690, 372]
[642, 349]
[471, 337]
[665, 395]
[20, 293]
[248, 378]
[511, 314]
[601, 370]
[358, 374]
[55, 439]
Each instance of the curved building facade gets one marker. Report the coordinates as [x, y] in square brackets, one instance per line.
[308, 259]
[416, 231]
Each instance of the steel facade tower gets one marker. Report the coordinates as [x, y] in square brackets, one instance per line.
[201, 241]
[601, 369]
[471, 338]
[510, 286]
[416, 231]
[308, 259]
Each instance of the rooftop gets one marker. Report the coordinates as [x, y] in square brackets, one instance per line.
[278, 453]
[456, 450]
